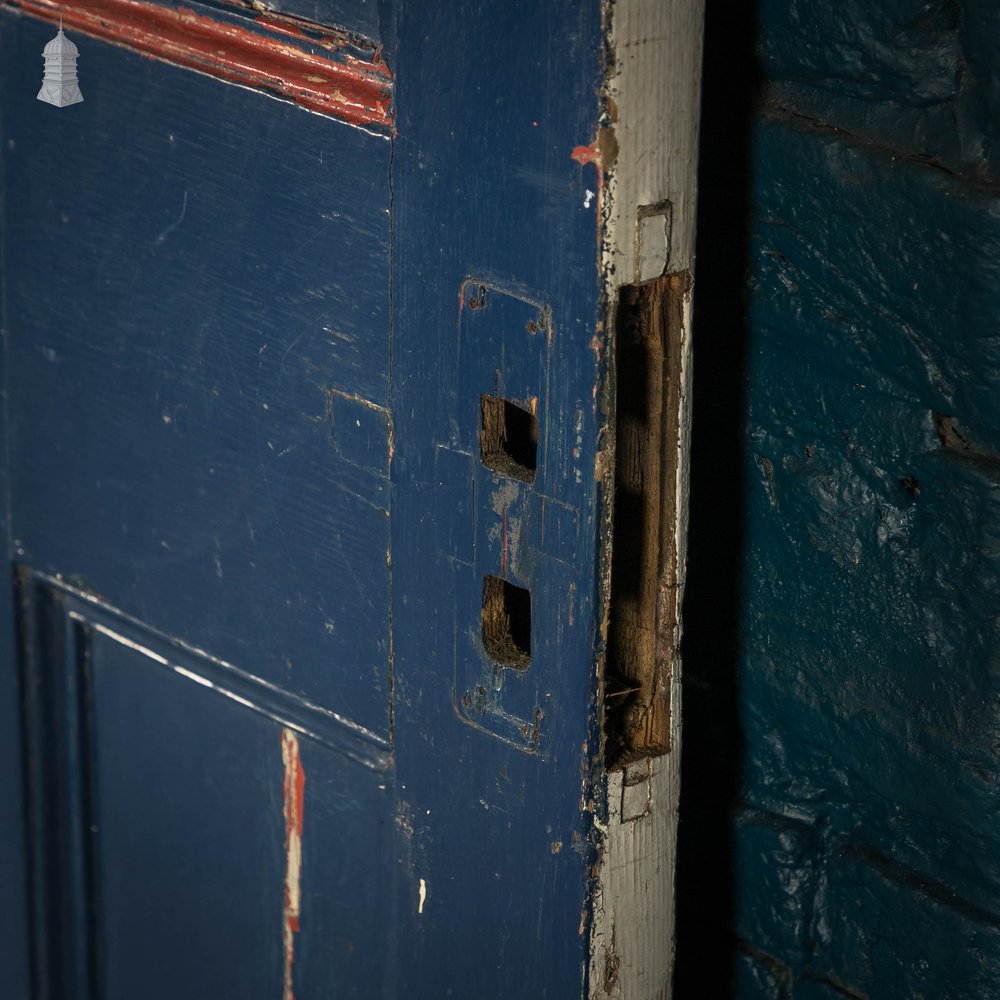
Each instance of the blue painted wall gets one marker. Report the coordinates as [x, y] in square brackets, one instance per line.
[839, 824]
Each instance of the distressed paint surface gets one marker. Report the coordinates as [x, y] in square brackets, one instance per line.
[862, 829]
[222, 463]
[181, 803]
[654, 91]
[371, 18]
[196, 331]
[246, 348]
[487, 788]
[316, 68]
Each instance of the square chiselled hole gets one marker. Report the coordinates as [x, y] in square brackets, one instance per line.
[507, 622]
[508, 438]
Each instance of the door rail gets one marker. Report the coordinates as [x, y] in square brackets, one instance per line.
[317, 67]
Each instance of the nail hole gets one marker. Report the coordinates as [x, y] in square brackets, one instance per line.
[506, 622]
[508, 438]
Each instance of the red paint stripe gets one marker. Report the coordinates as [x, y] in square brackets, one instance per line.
[336, 83]
[293, 791]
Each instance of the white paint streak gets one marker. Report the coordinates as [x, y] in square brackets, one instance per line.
[294, 880]
[111, 634]
[163, 661]
[239, 701]
[192, 676]
[656, 86]
[422, 896]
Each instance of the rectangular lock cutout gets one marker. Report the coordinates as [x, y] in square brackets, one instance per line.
[508, 438]
[643, 596]
[506, 622]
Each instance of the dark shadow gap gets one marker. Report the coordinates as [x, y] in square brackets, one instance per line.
[711, 740]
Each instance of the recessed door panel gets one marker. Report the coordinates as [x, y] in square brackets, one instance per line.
[227, 839]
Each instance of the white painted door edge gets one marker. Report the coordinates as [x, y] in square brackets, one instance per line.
[649, 150]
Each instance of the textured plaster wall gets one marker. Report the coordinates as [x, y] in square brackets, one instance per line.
[840, 833]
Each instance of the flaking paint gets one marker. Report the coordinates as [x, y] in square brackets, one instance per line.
[341, 85]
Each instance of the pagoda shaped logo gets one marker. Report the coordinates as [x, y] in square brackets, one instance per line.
[59, 85]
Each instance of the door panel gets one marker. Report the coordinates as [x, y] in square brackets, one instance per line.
[198, 429]
[217, 846]
[178, 875]
[198, 290]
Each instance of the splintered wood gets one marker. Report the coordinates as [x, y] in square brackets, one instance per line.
[644, 562]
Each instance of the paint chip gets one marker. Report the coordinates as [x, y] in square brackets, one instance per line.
[423, 896]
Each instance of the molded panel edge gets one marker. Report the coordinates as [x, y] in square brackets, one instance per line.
[318, 68]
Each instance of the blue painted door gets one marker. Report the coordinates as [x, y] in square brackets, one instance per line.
[297, 683]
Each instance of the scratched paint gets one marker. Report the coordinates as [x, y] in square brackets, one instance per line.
[507, 531]
[536, 239]
[294, 789]
[272, 58]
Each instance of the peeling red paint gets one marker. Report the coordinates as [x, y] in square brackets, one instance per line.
[376, 65]
[587, 154]
[334, 83]
[294, 794]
